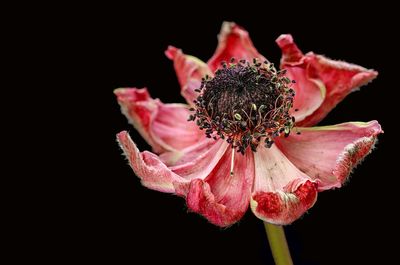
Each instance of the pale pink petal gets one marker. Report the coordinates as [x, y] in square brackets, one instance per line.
[328, 153]
[281, 192]
[189, 153]
[334, 79]
[147, 166]
[223, 198]
[189, 70]
[196, 161]
[206, 182]
[310, 93]
[163, 126]
[233, 41]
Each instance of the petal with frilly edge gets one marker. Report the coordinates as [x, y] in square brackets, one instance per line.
[336, 77]
[198, 161]
[233, 41]
[281, 192]
[153, 173]
[223, 198]
[328, 153]
[189, 70]
[206, 182]
[163, 126]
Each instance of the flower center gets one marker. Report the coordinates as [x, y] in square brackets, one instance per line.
[246, 104]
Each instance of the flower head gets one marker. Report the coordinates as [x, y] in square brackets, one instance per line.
[245, 137]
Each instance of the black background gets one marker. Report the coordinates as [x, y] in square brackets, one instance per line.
[350, 225]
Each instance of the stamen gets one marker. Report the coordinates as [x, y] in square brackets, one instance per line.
[232, 161]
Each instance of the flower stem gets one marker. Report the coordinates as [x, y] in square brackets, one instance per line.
[278, 244]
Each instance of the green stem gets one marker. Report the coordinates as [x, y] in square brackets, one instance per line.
[278, 244]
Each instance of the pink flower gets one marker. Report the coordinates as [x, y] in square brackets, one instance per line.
[244, 139]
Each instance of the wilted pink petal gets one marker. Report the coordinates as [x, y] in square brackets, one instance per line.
[336, 79]
[223, 198]
[281, 192]
[189, 70]
[233, 41]
[310, 93]
[290, 52]
[205, 182]
[147, 166]
[328, 153]
[196, 161]
[164, 126]
[340, 78]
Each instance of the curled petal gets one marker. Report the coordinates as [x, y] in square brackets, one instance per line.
[196, 161]
[328, 153]
[310, 92]
[153, 173]
[223, 198]
[206, 182]
[340, 78]
[189, 70]
[163, 126]
[290, 51]
[233, 41]
[281, 192]
[337, 79]
[173, 176]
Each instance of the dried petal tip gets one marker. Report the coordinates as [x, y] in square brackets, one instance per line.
[281, 192]
[329, 153]
[282, 208]
[290, 50]
[353, 154]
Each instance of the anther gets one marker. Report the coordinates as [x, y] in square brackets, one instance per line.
[237, 116]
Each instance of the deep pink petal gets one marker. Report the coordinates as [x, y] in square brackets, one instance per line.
[148, 167]
[290, 52]
[281, 192]
[335, 80]
[328, 153]
[189, 70]
[164, 126]
[221, 198]
[233, 41]
[310, 93]
[340, 78]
